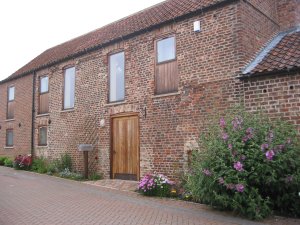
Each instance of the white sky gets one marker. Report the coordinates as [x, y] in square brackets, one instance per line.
[29, 27]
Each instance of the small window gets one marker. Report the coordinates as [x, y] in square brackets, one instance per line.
[11, 94]
[42, 136]
[44, 84]
[69, 88]
[166, 49]
[10, 102]
[9, 138]
[116, 77]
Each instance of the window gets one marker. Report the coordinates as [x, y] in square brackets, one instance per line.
[44, 95]
[10, 102]
[69, 88]
[116, 77]
[42, 136]
[9, 138]
[166, 68]
[165, 49]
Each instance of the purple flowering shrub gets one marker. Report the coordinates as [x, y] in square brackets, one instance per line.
[155, 185]
[248, 164]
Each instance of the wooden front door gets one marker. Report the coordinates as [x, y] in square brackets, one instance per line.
[125, 147]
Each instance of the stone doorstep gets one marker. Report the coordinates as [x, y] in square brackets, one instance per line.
[122, 185]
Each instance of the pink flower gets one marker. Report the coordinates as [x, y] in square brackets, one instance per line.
[225, 136]
[239, 187]
[264, 146]
[222, 122]
[238, 166]
[207, 172]
[230, 146]
[270, 154]
[221, 180]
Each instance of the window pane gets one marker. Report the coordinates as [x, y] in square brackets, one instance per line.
[11, 93]
[166, 49]
[9, 138]
[69, 90]
[44, 84]
[116, 77]
[43, 136]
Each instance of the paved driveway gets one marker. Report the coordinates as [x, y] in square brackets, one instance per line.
[28, 199]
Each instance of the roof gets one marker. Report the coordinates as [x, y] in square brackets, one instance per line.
[127, 27]
[281, 54]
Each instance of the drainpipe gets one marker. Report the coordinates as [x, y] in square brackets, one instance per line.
[32, 113]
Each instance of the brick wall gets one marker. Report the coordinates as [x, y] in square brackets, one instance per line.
[277, 95]
[289, 13]
[21, 124]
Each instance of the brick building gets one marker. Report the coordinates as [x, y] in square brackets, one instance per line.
[141, 89]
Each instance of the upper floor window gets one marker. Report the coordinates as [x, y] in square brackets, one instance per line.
[10, 102]
[166, 68]
[166, 49]
[69, 88]
[9, 138]
[44, 95]
[116, 77]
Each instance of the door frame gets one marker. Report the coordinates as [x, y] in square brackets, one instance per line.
[112, 117]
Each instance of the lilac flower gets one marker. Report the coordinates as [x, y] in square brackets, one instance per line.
[234, 153]
[221, 180]
[264, 147]
[230, 146]
[270, 154]
[237, 123]
[222, 122]
[279, 148]
[230, 186]
[245, 139]
[243, 157]
[289, 141]
[239, 187]
[207, 172]
[225, 136]
[238, 166]
[249, 130]
[289, 179]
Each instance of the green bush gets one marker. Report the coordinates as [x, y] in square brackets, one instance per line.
[2, 159]
[95, 176]
[40, 165]
[66, 173]
[64, 162]
[248, 164]
[8, 162]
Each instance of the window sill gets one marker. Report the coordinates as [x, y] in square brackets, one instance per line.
[166, 95]
[42, 146]
[9, 120]
[41, 115]
[116, 103]
[67, 110]
[9, 147]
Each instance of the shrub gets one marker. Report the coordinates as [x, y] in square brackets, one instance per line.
[22, 162]
[64, 162]
[66, 173]
[155, 185]
[2, 159]
[8, 162]
[95, 176]
[248, 164]
[40, 165]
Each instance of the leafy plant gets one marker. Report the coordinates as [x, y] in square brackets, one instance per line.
[40, 165]
[248, 164]
[64, 162]
[66, 173]
[22, 162]
[2, 159]
[95, 176]
[155, 185]
[8, 162]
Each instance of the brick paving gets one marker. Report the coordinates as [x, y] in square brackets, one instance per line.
[28, 199]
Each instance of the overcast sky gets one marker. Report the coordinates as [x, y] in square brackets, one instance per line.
[29, 27]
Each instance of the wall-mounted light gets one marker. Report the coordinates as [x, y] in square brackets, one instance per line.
[20, 124]
[197, 26]
[49, 121]
[0, 127]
